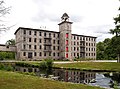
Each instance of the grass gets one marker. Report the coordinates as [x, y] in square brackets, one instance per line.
[12, 80]
[110, 66]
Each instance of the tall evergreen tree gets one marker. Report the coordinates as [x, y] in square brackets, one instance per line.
[116, 31]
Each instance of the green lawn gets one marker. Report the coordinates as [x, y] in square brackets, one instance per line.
[92, 66]
[12, 80]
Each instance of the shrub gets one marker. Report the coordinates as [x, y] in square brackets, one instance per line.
[43, 65]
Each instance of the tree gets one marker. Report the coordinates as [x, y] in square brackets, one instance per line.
[3, 11]
[116, 40]
[10, 42]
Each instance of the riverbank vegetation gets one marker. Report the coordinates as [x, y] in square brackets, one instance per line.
[11, 80]
[102, 66]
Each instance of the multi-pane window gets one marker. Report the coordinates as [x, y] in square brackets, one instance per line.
[66, 35]
[29, 32]
[74, 48]
[24, 53]
[35, 33]
[53, 47]
[49, 53]
[54, 35]
[53, 54]
[24, 46]
[66, 49]
[35, 39]
[35, 54]
[39, 40]
[66, 42]
[58, 54]
[53, 41]
[35, 46]
[40, 47]
[24, 39]
[44, 54]
[58, 41]
[29, 46]
[58, 48]
[40, 34]
[40, 54]
[45, 34]
[24, 31]
[49, 34]
[29, 39]
[66, 55]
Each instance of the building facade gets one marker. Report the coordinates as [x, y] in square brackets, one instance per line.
[38, 44]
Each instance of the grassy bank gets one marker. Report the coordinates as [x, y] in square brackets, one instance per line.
[11, 80]
[110, 66]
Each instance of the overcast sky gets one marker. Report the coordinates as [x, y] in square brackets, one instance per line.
[89, 17]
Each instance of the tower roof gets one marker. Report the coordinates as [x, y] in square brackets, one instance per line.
[65, 15]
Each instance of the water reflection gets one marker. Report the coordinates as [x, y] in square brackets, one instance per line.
[102, 79]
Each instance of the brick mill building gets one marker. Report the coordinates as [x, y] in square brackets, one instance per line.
[38, 44]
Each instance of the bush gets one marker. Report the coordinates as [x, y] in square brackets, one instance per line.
[47, 63]
[43, 65]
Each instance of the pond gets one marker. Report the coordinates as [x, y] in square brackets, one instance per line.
[102, 79]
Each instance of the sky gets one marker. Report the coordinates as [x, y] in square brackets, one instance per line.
[89, 17]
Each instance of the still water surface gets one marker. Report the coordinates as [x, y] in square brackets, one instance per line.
[102, 79]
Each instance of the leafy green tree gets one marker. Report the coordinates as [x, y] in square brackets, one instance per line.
[10, 42]
[116, 40]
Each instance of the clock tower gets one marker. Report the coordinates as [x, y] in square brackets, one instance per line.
[65, 37]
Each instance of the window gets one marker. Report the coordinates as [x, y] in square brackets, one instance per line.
[77, 48]
[74, 43]
[44, 54]
[24, 53]
[35, 40]
[44, 34]
[24, 47]
[80, 38]
[49, 53]
[77, 38]
[35, 54]
[40, 47]
[29, 32]
[58, 48]
[53, 41]
[66, 55]
[86, 54]
[74, 55]
[40, 34]
[74, 48]
[29, 46]
[29, 39]
[77, 43]
[40, 54]
[86, 49]
[58, 54]
[24, 39]
[53, 47]
[58, 35]
[35, 32]
[49, 34]
[35, 47]
[74, 37]
[86, 39]
[54, 35]
[24, 31]
[39, 40]
[66, 35]
[89, 44]
[66, 49]
[53, 54]
[66, 42]
[58, 42]
[86, 44]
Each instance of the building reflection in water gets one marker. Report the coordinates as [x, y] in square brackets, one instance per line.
[75, 76]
